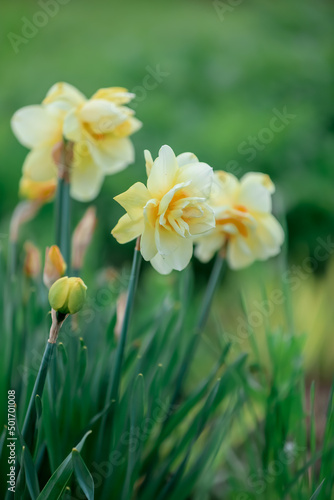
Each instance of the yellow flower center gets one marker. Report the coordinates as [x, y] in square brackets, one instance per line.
[173, 214]
[237, 220]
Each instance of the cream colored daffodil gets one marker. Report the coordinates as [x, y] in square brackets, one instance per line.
[40, 128]
[244, 223]
[169, 211]
[98, 127]
[101, 127]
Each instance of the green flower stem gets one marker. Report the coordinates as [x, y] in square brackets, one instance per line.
[125, 326]
[113, 388]
[58, 211]
[65, 241]
[63, 205]
[202, 318]
[30, 418]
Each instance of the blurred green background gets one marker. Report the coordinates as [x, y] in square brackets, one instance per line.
[210, 76]
[222, 66]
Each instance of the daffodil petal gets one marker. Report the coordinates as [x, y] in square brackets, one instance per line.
[36, 125]
[118, 95]
[199, 225]
[127, 229]
[112, 155]
[181, 256]
[163, 172]
[64, 96]
[86, 179]
[72, 126]
[147, 243]
[148, 161]
[134, 200]
[186, 158]
[208, 245]
[255, 192]
[270, 234]
[201, 177]
[103, 115]
[239, 254]
[159, 264]
[39, 164]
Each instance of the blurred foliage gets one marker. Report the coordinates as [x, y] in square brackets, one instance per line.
[224, 71]
[243, 427]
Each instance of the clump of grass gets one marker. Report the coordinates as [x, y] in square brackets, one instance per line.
[242, 432]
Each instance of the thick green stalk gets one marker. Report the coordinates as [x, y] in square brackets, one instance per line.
[63, 205]
[58, 211]
[65, 243]
[63, 221]
[29, 421]
[202, 318]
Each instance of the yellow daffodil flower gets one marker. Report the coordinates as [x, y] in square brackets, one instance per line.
[244, 222]
[40, 128]
[103, 125]
[99, 128]
[169, 211]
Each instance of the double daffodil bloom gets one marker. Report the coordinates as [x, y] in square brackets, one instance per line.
[244, 223]
[99, 128]
[169, 211]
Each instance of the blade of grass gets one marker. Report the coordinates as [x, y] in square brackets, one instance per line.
[83, 475]
[58, 481]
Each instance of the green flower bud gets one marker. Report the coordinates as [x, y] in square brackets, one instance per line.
[67, 295]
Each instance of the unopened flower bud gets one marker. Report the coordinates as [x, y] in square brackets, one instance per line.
[67, 295]
[82, 237]
[54, 267]
[32, 261]
[24, 211]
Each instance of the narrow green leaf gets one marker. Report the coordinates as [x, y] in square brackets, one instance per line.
[63, 353]
[83, 475]
[20, 486]
[136, 420]
[317, 491]
[57, 482]
[67, 495]
[28, 467]
[38, 403]
[50, 426]
[30, 473]
[82, 364]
